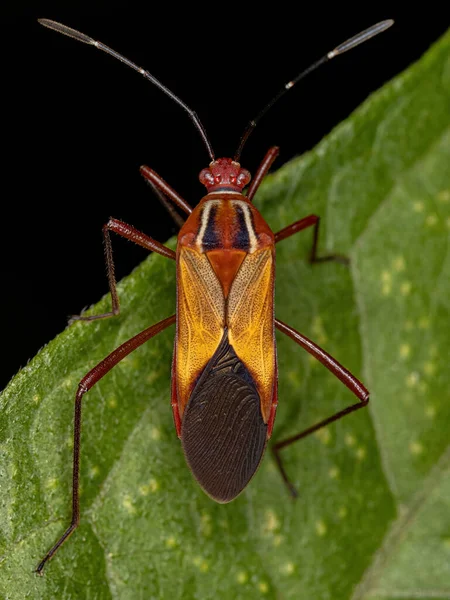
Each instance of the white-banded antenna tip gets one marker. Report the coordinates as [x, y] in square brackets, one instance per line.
[73, 33]
[361, 37]
[81, 37]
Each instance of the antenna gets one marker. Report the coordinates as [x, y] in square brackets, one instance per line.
[81, 37]
[347, 45]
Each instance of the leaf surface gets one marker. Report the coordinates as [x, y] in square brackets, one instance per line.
[372, 520]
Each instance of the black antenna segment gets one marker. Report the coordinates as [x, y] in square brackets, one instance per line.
[81, 37]
[361, 37]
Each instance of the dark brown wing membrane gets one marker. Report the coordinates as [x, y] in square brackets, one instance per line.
[223, 433]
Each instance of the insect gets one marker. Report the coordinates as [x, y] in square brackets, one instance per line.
[224, 369]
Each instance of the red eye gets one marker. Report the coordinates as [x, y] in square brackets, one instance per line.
[243, 178]
[206, 177]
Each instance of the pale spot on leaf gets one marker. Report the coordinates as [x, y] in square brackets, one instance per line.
[349, 439]
[155, 434]
[342, 512]
[146, 488]
[399, 264]
[319, 331]
[415, 448]
[386, 280]
[206, 524]
[405, 350]
[431, 220]
[112, 402]
[429, 368]
[333, 473]
[430, 411]
[278, 540]
[171, 542]
[288, 568]
[201, 563]
[69, 383]
[424, 322]
[444, 196]
[361, 453]
[405, 288]
[52, 484]
[323, 435]
[128, 505]
[94, 472]
[321, 528]
[271, 523]
[412, 379]
[242, 577]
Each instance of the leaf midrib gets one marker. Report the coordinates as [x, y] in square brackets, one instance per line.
[367, 586]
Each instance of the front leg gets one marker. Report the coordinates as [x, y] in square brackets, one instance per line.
[134, 235]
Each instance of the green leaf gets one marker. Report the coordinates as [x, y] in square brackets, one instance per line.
[372, 520]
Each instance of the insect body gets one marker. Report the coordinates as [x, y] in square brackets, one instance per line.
[224, 383]
[224, 370]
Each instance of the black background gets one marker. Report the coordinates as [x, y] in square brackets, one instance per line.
[76, 126]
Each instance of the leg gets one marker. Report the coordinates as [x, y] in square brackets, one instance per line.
[179, 221]
[311, 220]
[353, 384]
[263, 168]
[84, 386]
[132, 234]
[159, 182]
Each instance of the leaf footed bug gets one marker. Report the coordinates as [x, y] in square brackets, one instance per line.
[224, 383]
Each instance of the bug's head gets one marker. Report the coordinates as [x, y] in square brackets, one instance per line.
[224, 174]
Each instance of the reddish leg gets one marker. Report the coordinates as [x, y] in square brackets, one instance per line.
[84, 386]
[169, 192]
[353, 384]
[179, 221]
[134, 235]
[263, 168]
[310, 221]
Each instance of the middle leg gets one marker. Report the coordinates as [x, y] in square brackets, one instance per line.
[309, 221]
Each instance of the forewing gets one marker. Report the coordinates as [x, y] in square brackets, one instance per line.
[250, 321]
[200, 320]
